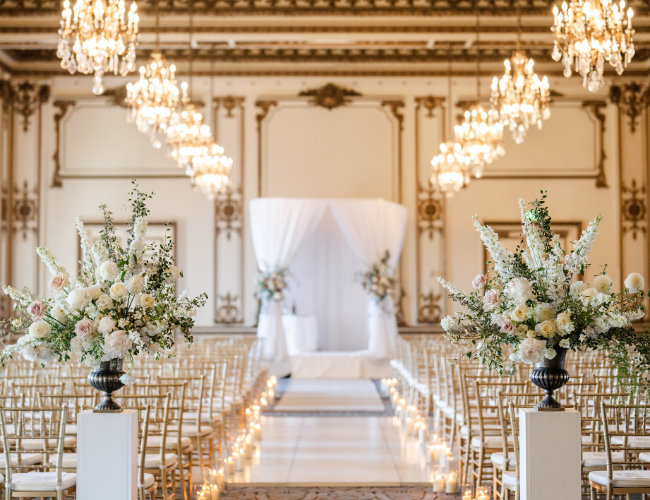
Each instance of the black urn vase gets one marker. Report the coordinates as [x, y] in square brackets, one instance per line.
[107, 380]
[549, 375]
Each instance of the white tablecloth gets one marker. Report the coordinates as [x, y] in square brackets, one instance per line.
[301, 333]
[340, 365]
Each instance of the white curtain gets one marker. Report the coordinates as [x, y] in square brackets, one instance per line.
[373, 227]
[278, 227]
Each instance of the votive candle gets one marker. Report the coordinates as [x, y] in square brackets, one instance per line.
[439, 484]
[422, 434]
[230, 465]
[452, 484]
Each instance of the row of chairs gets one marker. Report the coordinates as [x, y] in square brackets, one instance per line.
[190, 408]
[471, 410]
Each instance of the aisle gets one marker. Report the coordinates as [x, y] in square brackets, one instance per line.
[325, 449]
[316, 395]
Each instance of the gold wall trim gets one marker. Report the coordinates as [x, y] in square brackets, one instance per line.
[265, 107]
[595, 109]
[229, 217]
[431, 207]
[63, 106]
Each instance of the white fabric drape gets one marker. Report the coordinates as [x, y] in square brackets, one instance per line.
[278, 227]
[373, 227]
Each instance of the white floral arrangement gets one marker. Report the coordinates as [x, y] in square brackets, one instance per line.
[531, 300]
[377, 281]
[271, 285]
[122, 304]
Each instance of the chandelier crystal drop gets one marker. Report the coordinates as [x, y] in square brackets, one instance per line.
[481, 137]
[588, 34]
[450, 169]
[520, 98]
[155, 98]
[98, 38]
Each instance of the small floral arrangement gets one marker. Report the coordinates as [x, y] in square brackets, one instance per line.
[271, 286]
[531, 301]
[122, 304]
[377, 281]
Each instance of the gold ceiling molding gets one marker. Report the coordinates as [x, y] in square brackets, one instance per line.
[26, 98]
[329, 96]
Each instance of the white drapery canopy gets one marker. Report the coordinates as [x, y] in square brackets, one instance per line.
[281, 226]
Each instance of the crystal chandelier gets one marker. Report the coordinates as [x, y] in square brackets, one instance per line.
[450, 169]
[155, 97]
[520, 98]
[211, 175]
[187, 137]
[97, 39]
[481, 136]
[481, 132]
[587, 35]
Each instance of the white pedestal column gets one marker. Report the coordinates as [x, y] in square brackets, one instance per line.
[107, 456]
[550, 456]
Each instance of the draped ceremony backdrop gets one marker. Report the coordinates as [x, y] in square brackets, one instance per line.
[324, 243]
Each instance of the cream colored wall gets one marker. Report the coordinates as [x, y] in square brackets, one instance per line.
[308, 151]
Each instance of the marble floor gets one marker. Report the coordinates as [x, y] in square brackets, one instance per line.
[334, 451]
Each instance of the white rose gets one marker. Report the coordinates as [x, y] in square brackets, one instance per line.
[603, 283]
[135, 284]
[59, 282]
[532, 350]
[449, 324]
[550, 353]
[109, 271]
[94, 292]
[106, 325]
[520, 313]
[545, 328]
[39, 330]
[588, 295]
[531, 334]
[58, 313]
[563, 323]
[117, 344]
[118, 290]
[577, 288]
[174, 273]
[104, 302]
[491, 300]
[146, 300]
[544, 312]
[634, 282]
[514, 357]
[78, 299]
[519, 290]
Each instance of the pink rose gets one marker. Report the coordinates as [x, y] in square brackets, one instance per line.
[479, 282]
[84, 329]
[117, 344]
[507, 326]
[59, 282]
[37, 310]
[106, 325]
[491, 300]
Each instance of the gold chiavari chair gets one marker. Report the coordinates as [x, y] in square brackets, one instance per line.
[625, 430]
[33, 429]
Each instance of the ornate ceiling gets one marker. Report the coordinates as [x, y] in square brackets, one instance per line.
[316, 37]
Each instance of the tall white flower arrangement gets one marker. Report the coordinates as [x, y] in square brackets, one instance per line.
[532, 300]
[123, 303]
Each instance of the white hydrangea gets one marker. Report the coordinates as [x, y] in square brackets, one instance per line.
[634, 282]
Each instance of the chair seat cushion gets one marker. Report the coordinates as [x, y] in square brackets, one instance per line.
[500, 460]
[633, 441]
[490, 442]
[598, 458]
[42, 481]
[39, 444]
[25, 459]
[69, 460]
[622, 478]
[191, 431]
[205, 417]
[156, 441]
[510, 478]
[644, 457]
[153, 461]
[148, 481]
[489, 428]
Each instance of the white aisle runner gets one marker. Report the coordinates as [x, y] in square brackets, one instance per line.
[330, 395]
